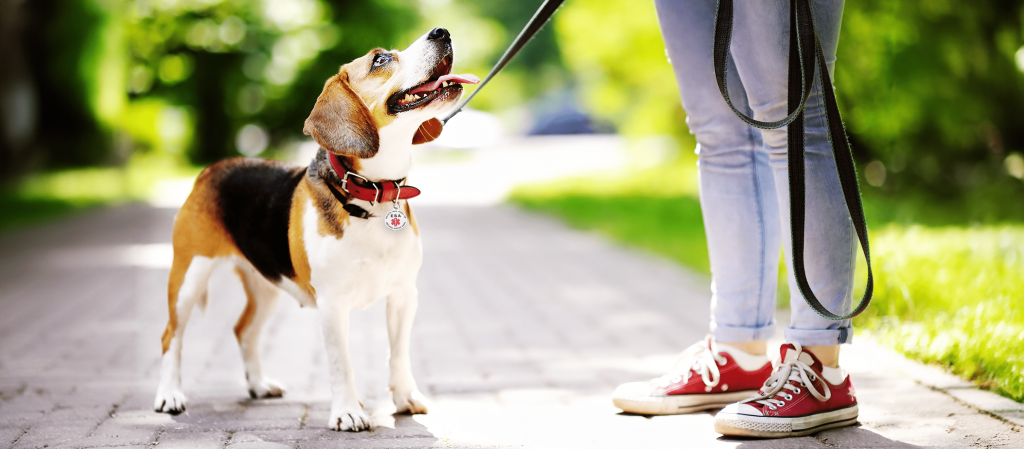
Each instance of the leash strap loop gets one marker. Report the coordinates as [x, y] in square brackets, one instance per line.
[804, 52]
[723, 39]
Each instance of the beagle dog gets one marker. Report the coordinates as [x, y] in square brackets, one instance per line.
[333, 235]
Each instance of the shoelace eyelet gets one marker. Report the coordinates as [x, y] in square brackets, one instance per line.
[788, 397]
[772, 407]
[797, 391]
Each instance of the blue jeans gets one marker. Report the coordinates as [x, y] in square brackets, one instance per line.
[744, 184]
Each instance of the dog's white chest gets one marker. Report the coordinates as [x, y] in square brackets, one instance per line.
[366, 263]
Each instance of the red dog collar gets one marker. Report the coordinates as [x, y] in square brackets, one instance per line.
[364, 189]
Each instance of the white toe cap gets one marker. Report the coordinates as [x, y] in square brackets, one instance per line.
[740, 408]
[632, 389]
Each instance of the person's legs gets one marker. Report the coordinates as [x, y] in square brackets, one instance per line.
[740, 219]
[807, 391]
[760, 47]
[737, 188]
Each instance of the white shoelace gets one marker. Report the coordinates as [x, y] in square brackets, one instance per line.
[695, 359]
[794, 370]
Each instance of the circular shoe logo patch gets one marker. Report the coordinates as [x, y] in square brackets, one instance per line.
[396, 220]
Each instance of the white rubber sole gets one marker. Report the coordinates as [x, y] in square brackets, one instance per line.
[680, 403]
[733, 424]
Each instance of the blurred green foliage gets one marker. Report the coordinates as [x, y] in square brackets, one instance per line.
[933, 89]
[216, 66]
[614, 50]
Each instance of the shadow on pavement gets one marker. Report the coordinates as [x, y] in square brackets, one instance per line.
[853, 436]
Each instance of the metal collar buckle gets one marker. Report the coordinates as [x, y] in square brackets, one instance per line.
[344, 185]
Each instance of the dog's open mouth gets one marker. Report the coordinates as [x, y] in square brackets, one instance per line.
[441, 85]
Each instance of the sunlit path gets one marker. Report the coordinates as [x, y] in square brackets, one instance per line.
[524, 329]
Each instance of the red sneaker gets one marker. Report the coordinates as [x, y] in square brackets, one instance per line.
[704, 378]
[797, 400]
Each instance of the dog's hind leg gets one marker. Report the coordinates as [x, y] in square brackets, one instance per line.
[187, 284]
[400, 311]
[262, 299]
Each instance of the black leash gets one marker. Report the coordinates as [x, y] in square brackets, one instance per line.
[804, 51]
[547, 9]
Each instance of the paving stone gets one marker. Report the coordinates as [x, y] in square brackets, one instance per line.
[238, 424]
[1014, 417]
[244, 440]
[115, 432]
[986, 400]
[143, 418]
[371, 443]
[783, 443]
[10, 433]
[404, 427]
[54, 435]
[858, 437]
[20, 418]
[269, 410]
[187, 438]
[119, 447]
[28, 403]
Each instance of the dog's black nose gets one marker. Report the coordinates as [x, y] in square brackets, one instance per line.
[439, 34]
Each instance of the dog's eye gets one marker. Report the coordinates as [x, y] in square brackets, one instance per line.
[381, 59]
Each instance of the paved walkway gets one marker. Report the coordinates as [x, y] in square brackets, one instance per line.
[524, 328]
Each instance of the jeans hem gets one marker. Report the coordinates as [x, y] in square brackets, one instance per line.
[736, 334]
[820, 337]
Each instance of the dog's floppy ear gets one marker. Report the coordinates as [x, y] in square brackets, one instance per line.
[341, 123]
[428, 131]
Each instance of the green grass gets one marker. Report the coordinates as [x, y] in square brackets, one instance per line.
[21, 211]
[629, 210]
[947, 290]
[47, 196]
[953, 296]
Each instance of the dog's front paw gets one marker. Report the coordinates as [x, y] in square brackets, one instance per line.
[348, 419]
[169, 400]
[265, 388]
[412, 402]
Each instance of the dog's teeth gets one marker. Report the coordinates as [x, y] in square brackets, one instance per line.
[444, 84]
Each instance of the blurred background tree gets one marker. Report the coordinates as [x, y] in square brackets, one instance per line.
[208, 78]
[931, 90]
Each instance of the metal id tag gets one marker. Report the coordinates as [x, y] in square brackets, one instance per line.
[396, 219]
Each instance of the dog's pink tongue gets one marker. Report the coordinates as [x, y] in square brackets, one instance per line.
[459, 79]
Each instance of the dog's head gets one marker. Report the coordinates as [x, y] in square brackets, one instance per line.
[384, 87]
